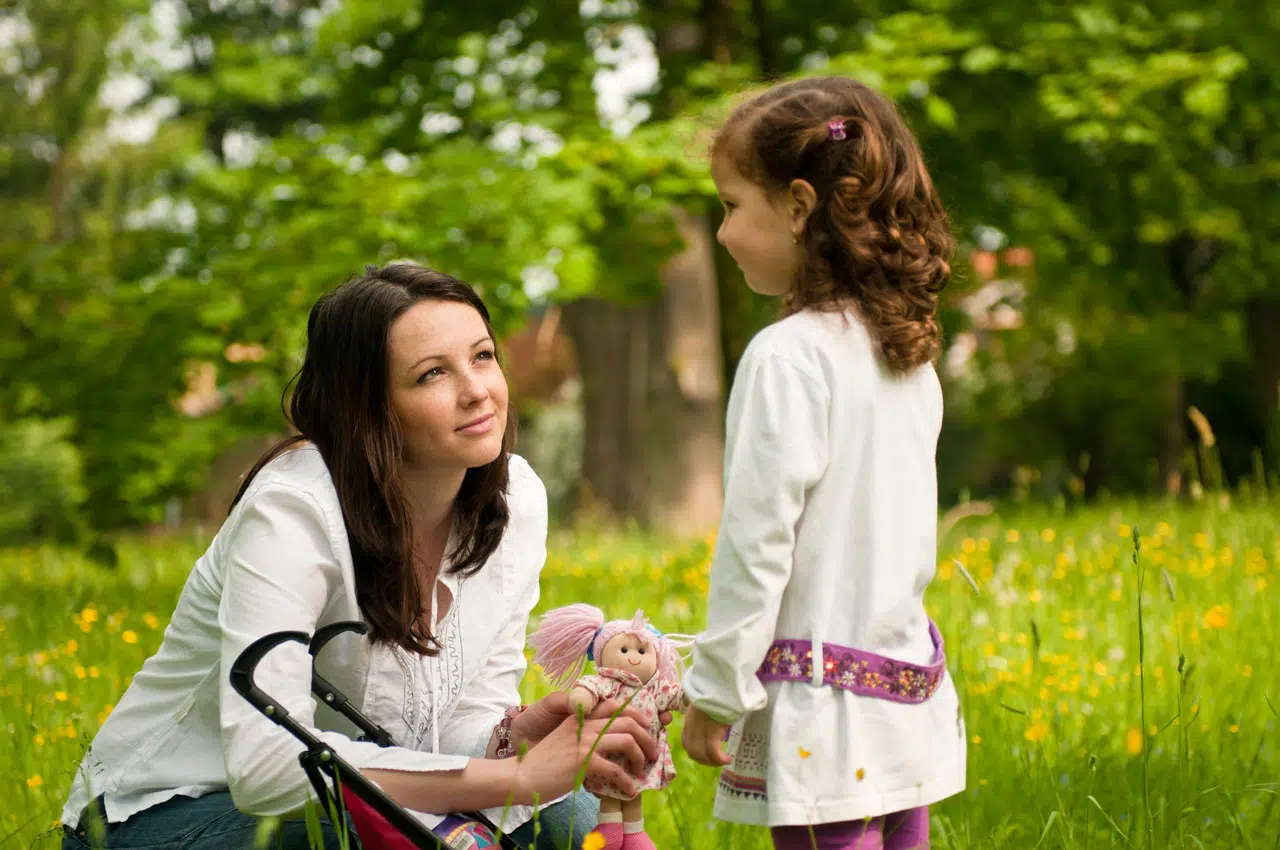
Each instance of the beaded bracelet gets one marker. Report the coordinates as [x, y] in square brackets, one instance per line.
[502, 732]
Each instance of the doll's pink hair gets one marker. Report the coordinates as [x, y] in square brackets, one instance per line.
[567, 635]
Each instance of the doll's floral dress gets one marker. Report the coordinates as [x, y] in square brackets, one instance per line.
[650, 700]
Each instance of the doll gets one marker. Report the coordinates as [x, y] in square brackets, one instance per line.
[634, 662]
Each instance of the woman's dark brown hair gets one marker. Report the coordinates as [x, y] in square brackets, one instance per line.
[341, 404]
[878, 235]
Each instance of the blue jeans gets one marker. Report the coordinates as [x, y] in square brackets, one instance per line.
[212, 822]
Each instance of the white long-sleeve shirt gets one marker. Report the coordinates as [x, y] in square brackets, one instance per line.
[828, 534]
[281, 562]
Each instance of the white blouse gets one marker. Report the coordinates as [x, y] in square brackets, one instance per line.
[405, 690]
[828, 534]
[281, 562]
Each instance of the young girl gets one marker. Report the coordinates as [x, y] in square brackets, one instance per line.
[818, 651]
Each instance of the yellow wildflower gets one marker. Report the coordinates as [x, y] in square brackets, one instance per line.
[1216, 618]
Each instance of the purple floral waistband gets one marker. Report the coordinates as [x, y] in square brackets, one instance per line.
[853, 670]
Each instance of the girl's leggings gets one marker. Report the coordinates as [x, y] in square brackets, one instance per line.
[906, 830]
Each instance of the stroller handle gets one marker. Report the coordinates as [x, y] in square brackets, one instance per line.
[334, 698]
[319, 760]
[243, 667]
[327, 633]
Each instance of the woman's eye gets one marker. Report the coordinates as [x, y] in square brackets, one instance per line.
[430, 374]
[485, 355]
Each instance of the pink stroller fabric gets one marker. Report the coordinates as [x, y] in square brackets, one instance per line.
[377, 833]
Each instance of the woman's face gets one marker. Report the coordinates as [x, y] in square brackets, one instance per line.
[446, 388]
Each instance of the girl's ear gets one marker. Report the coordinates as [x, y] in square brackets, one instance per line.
[803, 200]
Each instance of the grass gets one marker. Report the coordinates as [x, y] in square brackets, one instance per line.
[1115, 698]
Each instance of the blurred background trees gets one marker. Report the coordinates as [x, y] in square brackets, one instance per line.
[180, 179]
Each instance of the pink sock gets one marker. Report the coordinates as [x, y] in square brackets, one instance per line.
[637, 841]
[612, 834]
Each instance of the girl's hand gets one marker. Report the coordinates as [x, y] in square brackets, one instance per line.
[551, 768]
[703, 738]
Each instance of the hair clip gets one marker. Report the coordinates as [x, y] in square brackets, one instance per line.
[591, 645]
[837, 131]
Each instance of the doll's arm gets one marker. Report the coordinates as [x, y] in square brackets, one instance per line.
[676, 699]
[582, 699]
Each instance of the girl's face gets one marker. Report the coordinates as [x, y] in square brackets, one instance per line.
[760, 231]
[447, 390]
[630, 653]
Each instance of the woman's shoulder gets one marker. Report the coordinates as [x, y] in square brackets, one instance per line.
[300, 472]
[524, 542]
[526, 494]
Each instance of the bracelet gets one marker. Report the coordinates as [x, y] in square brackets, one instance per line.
[502, 732]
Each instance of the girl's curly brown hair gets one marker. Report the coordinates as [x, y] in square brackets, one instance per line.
[878, 236]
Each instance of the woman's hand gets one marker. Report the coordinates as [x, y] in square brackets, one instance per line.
[541, 719]
[703, 738]
[552, 766]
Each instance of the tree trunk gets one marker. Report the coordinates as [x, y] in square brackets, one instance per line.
[1264, 349]
[1190, 259]
[686, 433]
[653, 396]
[1174, 438]
[766, 47]
[611, 346]
[717, 19]
[653, 393]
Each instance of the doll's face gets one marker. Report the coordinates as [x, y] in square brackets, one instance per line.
[630, 653]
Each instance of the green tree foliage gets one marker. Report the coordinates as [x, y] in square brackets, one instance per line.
[1129, 149]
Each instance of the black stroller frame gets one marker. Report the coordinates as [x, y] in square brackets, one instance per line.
[319, 760]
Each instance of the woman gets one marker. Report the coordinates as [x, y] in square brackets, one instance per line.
[399, 504]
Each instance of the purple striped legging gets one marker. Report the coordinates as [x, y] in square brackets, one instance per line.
[906, 830]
